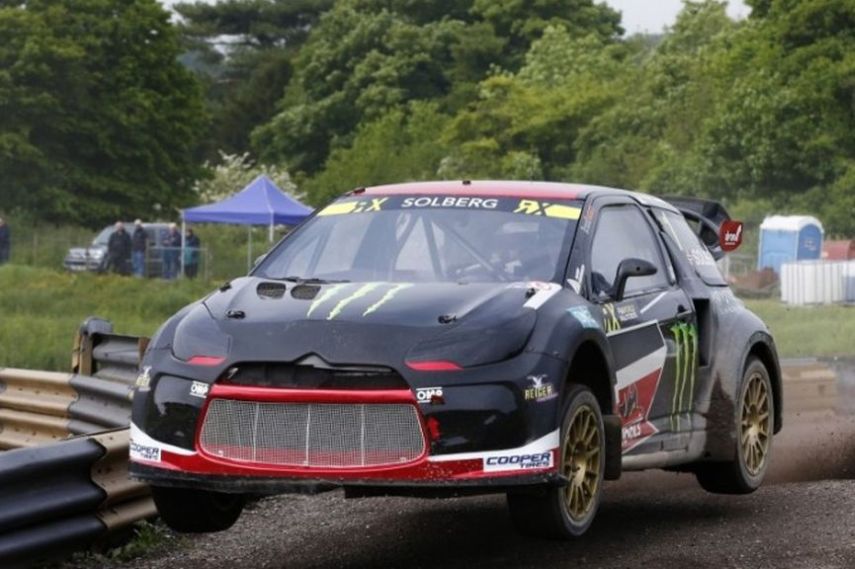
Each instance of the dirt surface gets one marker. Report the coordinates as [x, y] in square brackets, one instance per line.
[801, 519]
[803, 525]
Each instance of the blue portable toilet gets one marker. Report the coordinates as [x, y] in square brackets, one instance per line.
[789, 238]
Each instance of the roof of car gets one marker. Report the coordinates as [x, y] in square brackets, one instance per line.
[506, 188]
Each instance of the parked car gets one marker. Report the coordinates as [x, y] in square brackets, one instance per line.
[94, 257]
[438, 339]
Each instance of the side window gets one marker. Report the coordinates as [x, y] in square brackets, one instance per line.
[691, 246]
[623, 232]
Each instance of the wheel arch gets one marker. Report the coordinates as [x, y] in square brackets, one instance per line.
[764, 350]
[590, 364]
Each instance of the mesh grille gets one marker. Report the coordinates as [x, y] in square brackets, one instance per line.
[313, 434]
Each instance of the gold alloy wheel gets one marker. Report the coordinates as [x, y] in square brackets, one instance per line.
[756, 424]
[582, 455]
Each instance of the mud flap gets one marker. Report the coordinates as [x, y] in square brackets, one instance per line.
[612, 427]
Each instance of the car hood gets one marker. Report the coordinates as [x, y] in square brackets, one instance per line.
[375, 322]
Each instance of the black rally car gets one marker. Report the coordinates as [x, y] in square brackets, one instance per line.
[463, 337]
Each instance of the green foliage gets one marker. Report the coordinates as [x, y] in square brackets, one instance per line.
[367, 57]
[399, 146]
[99, 120]
[242, 50]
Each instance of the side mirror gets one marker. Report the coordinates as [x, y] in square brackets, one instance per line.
[630, 268]
[258, 260]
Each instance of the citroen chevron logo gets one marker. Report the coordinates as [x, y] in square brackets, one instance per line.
[686, 338]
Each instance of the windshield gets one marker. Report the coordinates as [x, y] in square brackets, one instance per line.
[429, 239]
[104, 237]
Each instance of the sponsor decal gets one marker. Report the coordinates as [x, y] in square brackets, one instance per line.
[583, 315]
[730, 235]
[199, 389]
[360, 292]
[426, 394]
[686, 340]
[627, 312]
[534, 207]
[539, 390]
[323, 297]
[700, 257]
[144, 452]
[144, 378]
[390, 294]
[451, 202]
[634, 404]
[502, 462]
[546, 443]
[610, 320]
[358, 206]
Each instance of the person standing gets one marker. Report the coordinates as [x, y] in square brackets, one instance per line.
[119, 250]
[5, 241]
[139, 243]
[171, 252]
[191, 254]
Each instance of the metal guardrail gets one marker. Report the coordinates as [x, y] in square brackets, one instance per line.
[39, 407]
[66, 496]
[64, 482]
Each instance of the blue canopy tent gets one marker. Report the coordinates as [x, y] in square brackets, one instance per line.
[261, 202]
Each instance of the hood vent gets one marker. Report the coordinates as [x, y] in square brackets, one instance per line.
[305, 292]
[270, 290]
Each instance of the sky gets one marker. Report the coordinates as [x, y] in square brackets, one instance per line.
[642, 15]
[653, 15]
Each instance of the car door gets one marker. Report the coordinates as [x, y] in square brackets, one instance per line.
[650, 330]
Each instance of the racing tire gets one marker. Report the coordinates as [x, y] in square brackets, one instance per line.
[567, 511]
[754, 420]
[197, 511]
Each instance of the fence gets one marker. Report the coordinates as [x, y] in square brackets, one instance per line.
[223, 255]
[818, 282]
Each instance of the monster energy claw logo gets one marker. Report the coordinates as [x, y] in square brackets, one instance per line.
[610, 319]
[686, 338]
[364, 290]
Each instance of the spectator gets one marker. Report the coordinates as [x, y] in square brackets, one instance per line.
[5, 241]
[171, 252]
[139, 243]
[119, 251]
[191, 254]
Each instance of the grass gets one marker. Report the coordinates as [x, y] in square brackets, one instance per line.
[40, 309]
[802, 331]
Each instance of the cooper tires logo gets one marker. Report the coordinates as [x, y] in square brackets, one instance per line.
[518, 461]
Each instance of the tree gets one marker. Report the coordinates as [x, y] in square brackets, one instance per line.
[233, 172]
[399, 146]
[368, 56]
[99, 120]
[243, 52]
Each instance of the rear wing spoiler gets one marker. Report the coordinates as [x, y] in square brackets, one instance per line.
[712, 223]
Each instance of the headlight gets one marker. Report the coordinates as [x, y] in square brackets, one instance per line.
[198, 335]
